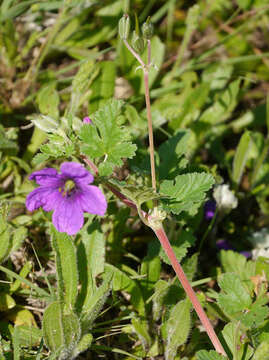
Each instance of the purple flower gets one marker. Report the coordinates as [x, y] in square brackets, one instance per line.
[68, 194]
[87, 120]
[209, 209]
[223, 245]
[246, 253]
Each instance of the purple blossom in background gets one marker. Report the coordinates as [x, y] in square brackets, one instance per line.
[87, 120]
[68, 194]
[209, 209]
[223, 245]
[246, 253]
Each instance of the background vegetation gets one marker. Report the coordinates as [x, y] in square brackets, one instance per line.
[63, 60]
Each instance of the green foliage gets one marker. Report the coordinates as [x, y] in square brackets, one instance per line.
[235, 300]
[186, 192]
[234, 338]
[136, 192]
[141, 328]
[180, 246]
[209, 355]
[121, 281]
[94, 304]
[244, 4]
[45, 123]
[171, 153]
[61, 331]
[237, 263]
[57, 147]
[48, 102]
[106, 139]
[80, 85]
[223, 106]
[193, 100]
[241, 156]
[6, 144]
[262, 351]
[208, 73]
[28, 335]
[177, 328]
[66, 264]
[151, 268]
[65, 331]
[217, 76]
[235, 297]
[10, 238]
[102, 88]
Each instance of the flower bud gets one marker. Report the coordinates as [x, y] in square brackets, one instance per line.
[124, 27]
[87, 120]
[147, 29]
[137, 43]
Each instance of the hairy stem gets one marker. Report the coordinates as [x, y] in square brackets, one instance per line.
[161, 235]
[138, 58]
[145, 68]
[149, 117]
[150, 130]
[90, 164]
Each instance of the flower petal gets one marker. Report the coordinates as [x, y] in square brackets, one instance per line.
[68, 215]
[76, 172]
[92, 200]
[47, 177]
[45, 197]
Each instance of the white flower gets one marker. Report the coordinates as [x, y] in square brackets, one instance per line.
[225, 198]
[260, 241]
[260, 252]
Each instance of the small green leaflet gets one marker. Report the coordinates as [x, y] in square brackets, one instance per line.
[136, 192]
[186, 192]
[106, 140]
[55, 148]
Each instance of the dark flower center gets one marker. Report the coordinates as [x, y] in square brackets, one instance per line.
[69, 187]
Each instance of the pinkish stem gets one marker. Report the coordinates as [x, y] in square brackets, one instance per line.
[161, 235]
[149, 51]
[121, 196]
[147, 98]
[90, 164]
[138, 58]
[150, 129]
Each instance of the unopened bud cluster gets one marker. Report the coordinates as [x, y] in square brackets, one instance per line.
[138, 40]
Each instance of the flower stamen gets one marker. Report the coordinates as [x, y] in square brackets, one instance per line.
[69, 187]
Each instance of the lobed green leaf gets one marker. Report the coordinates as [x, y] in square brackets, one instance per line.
[106, 138]
[186, 192]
